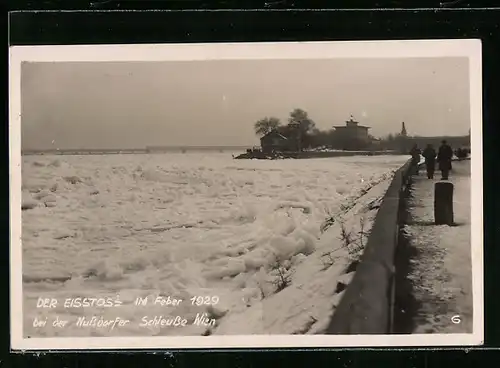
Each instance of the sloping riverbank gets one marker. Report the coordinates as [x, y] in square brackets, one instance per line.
[259, 155]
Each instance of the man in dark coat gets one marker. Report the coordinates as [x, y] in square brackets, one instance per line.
[430, 160]
[415, 158]
[444, 157]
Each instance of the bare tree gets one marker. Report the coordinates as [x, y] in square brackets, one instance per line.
[302, 119]
[266, 125]
[303, 126]
[282, 275]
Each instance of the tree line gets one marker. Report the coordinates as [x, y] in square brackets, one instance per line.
[301, 127]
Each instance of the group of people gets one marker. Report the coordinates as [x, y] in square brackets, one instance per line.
[443, 157]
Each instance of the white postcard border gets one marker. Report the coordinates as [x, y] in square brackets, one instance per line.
[470, 48]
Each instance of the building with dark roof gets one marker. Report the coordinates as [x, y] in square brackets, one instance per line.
[275, 142]
[352, 135]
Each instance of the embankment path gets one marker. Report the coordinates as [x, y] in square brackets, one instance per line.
[439, 272]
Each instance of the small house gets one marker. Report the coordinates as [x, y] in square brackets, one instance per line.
[274, 142]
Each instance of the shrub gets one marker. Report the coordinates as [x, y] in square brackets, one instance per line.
[282, 275]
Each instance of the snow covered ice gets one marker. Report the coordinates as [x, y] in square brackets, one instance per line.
[187, 225]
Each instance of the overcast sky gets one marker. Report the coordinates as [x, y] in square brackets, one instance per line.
[133, 105]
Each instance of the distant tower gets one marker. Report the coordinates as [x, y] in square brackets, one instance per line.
[403, 141]
[403, 130]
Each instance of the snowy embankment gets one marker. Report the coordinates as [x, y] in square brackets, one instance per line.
[254, 235]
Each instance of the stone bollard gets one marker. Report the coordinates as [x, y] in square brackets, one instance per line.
[443, 203]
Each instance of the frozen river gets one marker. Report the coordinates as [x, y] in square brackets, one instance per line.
[187, 225]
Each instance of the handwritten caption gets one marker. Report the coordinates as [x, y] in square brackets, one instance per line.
[201, 319]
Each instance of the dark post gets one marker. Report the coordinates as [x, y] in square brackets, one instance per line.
[443, 203]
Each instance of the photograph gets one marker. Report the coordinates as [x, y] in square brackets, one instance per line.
[246, 195]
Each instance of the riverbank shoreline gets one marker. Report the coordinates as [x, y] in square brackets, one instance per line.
[259, 155]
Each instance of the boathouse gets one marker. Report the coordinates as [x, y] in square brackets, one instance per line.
[274, 142]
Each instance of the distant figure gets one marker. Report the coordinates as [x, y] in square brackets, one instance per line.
[430, 160]
[444, 156]
[415, 158]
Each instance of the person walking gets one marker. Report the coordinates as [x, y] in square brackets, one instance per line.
[444, 156]
[415, 158]
[430, 160]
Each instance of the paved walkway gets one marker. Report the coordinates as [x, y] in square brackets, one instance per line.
[440, 266]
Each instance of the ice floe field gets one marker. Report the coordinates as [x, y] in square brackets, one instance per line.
[252, 239]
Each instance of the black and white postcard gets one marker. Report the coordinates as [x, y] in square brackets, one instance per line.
[309, 194]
